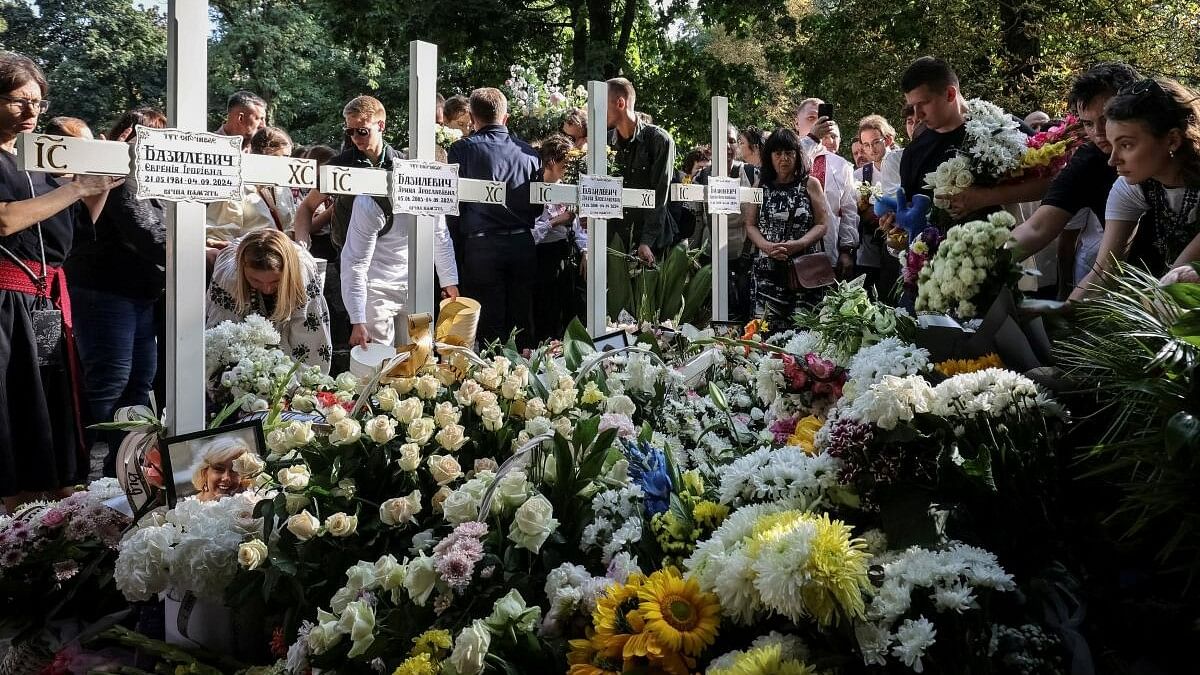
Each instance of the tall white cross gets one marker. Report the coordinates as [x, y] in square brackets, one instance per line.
[711, 194]
[597, 228]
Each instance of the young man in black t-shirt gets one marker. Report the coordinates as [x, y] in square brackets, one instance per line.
[1087, 178]
[931, 87]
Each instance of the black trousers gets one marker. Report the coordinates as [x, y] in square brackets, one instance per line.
[554, 290]
[499, 272]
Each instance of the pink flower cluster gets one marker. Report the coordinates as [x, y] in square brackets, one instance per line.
[816, 376]
[77, 519]
[455, 556]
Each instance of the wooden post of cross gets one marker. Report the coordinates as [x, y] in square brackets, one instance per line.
[187, 109]
[723, 195]
[597, 198]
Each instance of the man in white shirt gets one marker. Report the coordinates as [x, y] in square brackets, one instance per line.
[878, 139]
[836, 175]
[374, 271]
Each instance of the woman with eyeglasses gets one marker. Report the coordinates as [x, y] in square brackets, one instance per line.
[1153, 212]
[791, 221]
[41, 433]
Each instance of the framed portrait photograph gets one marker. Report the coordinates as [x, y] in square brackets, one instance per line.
[202, 464]
[611, 341]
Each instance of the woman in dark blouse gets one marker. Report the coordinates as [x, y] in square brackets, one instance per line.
[41, 448]
[117, 277]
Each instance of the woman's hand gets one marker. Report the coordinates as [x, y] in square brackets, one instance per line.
[781, 251]
[90, 186]
[358, 335]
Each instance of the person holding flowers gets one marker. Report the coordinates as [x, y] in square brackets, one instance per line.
[1153, 212]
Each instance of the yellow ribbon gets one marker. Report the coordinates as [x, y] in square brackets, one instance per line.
[457, 324]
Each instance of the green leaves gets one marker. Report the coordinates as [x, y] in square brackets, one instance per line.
[577, 344]
[1187, 327]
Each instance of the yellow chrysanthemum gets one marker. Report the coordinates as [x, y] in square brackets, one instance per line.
[421, 664]
[838, 568]
[767, 660]
[954, 367]
[709, 515]
[434, 642]
[805, 435]
[676, 611]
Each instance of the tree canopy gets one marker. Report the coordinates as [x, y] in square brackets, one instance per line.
[307, 57]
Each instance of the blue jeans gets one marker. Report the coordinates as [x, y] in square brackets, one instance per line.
[118, 349]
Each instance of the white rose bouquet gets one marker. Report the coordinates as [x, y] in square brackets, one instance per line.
[971, 261]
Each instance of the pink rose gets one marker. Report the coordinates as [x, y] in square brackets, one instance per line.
[53, 518]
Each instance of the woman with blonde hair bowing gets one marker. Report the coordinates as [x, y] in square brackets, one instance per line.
[266, 273]
[1153, 212]
[214, 475]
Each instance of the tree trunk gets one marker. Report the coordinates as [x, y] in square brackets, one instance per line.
[600, 31]
[579, 41]
[627, 20]
[1021, 22]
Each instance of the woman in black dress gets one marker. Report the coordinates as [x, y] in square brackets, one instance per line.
[791, 221]
[41, 443]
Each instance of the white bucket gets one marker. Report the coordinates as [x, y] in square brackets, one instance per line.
[365, 360]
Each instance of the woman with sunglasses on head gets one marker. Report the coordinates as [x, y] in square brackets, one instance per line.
[41, 437]
[1153, 212]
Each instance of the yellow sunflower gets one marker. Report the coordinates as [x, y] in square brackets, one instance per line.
[587, 658]
[678, 613]
[611, 616]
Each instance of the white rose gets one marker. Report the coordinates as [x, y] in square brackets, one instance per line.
[401, 510]
[533, 523]
[345, 432]
[489, 377]
[564, 383]
[513, 489]
[304, 404]
[303, 525]
[535, 407]
[298, 433]
[294, 477]
[387, 398]
[428, 386]
[467, 392]
[252, 554]
[408, 410]
[323, 637]
[521, 372]
[390, 572]
[404, 385]
[620, 404]
[277, 443]
[358, 620]
[512, 388]
[460, 506]
[563, 426]
[501, 364]
[486, 464]
[444, 468]
[346, 382]
[421, 430]
[381, 429]
[410, 457]
[471, 648]
[493, 417]
[420, 580]
[335, 413]
[445, 414]
[561, 400]
[439, 498]
[248, 465]
[452, 437]
[341, 525]
[485, 399]
[294, 502]
[446, 376]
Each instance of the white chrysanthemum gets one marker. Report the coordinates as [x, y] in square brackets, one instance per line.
[893, 400]
[771, 474]
[913, 639]
[890, 356]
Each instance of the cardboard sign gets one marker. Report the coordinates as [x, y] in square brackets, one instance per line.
[424, 188]
[187, 166]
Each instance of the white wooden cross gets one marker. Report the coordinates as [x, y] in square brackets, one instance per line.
[185, 275]
[597, 229]
[711, 194]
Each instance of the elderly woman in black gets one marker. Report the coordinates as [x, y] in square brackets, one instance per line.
[41, 440]
[791, 221]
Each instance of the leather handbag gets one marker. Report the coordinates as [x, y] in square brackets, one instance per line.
[809, 271]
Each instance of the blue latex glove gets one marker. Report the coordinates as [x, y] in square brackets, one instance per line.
[912, 218]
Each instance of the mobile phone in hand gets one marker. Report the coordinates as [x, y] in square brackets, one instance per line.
[825, 110]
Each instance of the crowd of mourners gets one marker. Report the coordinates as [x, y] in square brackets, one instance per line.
[82, 259]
